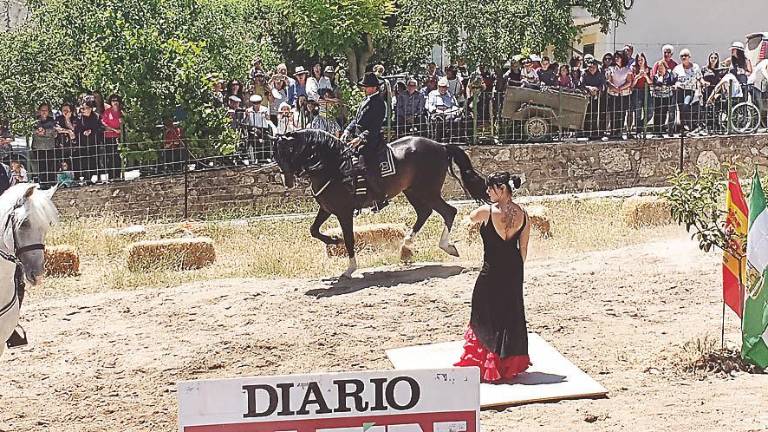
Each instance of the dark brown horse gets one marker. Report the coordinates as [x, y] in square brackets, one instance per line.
[421, 166]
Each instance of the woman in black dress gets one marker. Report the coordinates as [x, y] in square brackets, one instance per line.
[497, 338]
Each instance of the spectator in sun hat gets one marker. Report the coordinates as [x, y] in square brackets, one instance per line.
[528, 74]
[441, 99]
[535, 61]
[285, 121]
[738, 64]
[299, 87]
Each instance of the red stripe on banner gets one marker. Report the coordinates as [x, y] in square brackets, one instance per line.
[737, 195]
[732, 291]
[425, 421]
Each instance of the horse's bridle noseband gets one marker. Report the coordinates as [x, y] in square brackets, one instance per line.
[16, 249]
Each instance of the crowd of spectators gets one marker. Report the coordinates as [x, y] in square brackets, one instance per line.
[627, 95]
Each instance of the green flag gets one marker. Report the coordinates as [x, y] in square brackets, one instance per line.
[754, 347]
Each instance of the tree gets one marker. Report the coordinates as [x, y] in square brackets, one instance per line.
[154, 53]
[403, 33]
[347, 28]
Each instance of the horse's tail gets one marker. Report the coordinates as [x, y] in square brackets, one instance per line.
[470, 180]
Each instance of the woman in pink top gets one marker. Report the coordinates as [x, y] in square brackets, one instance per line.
[109, 159]
[619, 78]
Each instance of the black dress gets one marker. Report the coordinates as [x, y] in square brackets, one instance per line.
[497, 338]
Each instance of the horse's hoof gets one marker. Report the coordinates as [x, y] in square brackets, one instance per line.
[451, 250]
[336, 240]
[406, 255]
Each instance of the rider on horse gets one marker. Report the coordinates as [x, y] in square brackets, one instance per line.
[368, 138]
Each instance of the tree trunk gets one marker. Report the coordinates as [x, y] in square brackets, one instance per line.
[358, 58]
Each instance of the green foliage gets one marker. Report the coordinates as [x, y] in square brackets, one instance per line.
[331, 27]
[697, 202]
[154, 53]
[491, 31]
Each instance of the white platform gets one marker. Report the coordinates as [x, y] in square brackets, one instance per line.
[552, 377]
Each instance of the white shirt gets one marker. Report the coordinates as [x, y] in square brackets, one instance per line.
[312, 89]
[687, 79]
[435, 100]
[759, 76]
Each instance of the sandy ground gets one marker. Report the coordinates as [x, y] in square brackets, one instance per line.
[110, 361]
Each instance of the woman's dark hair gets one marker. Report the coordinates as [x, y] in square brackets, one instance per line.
[620, 55]
[739, 60]
[67, 104]
[575, 60]
[503, 178]
[44, 104]
[709, 60]
[89, 101]
[114, 97]
[636, 65]
[608, 56]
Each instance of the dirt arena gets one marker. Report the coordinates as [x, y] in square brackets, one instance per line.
[109, 361]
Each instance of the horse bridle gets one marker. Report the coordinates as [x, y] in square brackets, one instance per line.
[11, 221]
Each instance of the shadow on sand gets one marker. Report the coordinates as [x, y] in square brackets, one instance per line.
[384, 279]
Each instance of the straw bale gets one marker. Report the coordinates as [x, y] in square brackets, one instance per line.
[643, 211]
[173, 254]
[61, 260]
[368, 236]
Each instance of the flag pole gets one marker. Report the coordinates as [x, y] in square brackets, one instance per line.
[722, 330]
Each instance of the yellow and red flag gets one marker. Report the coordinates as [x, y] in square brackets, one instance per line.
[734, 258]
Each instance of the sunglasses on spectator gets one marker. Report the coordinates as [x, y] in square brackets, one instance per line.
[684, 55]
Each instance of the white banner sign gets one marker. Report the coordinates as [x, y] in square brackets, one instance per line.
[445, 400]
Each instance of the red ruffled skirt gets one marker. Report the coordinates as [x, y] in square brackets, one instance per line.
[492, 367]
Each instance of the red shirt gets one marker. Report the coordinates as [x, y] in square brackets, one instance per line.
[671, 63]
[111, 119]
[172, 138]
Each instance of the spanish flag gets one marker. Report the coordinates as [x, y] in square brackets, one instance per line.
[734, 259]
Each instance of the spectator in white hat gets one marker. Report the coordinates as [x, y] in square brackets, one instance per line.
[688, 79]
[441, 100]
[739, 65]
[299, 87]
[285, 121]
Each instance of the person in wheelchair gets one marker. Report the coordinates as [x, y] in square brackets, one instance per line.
[445, 115]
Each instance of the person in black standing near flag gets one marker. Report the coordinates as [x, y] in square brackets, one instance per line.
[368, 139]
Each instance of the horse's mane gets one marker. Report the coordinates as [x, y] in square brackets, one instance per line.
[322, 139]
[38, 209]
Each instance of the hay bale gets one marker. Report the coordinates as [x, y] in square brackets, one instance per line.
[61, 260]
[173, 254]
[375, 235]
[643, 211]
[537, 217]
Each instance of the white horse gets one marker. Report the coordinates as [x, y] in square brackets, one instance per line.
[26, 214]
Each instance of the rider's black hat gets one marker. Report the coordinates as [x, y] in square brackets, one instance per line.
[370, 80]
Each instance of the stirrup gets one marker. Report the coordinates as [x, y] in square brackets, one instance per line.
[18, 338]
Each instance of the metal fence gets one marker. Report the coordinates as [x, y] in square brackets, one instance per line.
[519, 115]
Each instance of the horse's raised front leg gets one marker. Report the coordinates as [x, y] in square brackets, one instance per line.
[320, 219]
[345, 220]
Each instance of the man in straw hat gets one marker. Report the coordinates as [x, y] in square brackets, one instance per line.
[368, 139]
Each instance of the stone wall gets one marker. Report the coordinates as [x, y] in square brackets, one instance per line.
[547, 169]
